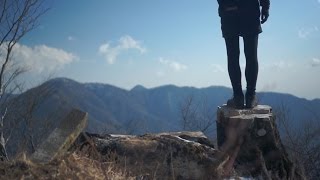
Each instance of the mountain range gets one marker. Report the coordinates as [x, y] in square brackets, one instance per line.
[142, 110]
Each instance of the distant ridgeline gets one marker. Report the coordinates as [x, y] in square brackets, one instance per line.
[140, 110]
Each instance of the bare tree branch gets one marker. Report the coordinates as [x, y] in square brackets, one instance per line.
[17, 18]
[303, 143]
[196, 115]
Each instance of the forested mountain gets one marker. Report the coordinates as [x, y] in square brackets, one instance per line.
[141, 110]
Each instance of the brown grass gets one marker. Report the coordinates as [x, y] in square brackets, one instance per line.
[72, 166]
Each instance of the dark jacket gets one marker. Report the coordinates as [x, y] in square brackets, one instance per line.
[241, 17]
[246, 7]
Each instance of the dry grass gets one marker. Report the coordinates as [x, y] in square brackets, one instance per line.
[72, 166]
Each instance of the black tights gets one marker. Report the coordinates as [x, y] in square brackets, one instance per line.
[251, 72]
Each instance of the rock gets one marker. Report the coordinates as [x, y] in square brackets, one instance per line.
[62, 137]
[178, 155]
[248, 140]
[251, 140]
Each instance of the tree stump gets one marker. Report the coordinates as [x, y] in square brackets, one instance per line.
[251, 141]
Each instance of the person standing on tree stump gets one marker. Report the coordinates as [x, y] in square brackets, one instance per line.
[242, 18]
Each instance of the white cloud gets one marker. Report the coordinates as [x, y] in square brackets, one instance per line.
[125, 43]
[40, 58]
[315, 61]
[71, 38]
[173, 64]
[160, 73]
[218, 68]
[281, 65]
[305, 32]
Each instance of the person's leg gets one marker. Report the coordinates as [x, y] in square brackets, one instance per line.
[233, 52]
[251, 72]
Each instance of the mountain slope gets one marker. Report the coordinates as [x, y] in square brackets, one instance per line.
[158, 109]
[141, 110]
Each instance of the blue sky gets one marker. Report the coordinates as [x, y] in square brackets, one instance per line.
[158, 42]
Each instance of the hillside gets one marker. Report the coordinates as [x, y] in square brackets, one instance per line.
[141, 110]
[156, 109]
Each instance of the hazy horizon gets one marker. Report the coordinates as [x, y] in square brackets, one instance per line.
[154, 87]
